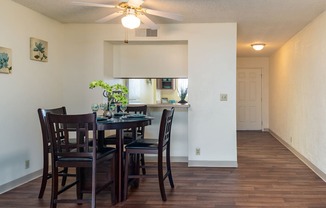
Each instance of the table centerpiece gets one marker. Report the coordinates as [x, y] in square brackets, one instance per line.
[115, 94]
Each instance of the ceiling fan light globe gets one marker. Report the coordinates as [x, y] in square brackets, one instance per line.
[130, 21]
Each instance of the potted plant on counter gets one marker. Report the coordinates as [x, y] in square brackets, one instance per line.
[183, 94]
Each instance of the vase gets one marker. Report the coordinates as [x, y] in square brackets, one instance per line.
[107, 114]
[182, 102]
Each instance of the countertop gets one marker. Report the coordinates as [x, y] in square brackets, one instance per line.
[163, 105]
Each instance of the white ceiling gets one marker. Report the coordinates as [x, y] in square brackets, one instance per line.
[270, 21]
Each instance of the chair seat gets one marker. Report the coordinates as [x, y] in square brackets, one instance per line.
[107, 152]
[100, 154]
[143, 144]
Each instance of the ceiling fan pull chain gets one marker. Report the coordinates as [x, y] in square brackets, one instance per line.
[126, 36]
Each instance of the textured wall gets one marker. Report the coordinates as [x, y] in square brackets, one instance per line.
[297, 92]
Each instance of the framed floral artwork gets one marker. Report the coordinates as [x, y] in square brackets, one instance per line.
[39, 50]
[5, 60]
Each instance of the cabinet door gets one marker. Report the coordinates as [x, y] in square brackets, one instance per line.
[165, 84]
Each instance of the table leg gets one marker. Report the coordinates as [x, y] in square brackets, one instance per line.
[100, 135]
[119, 169]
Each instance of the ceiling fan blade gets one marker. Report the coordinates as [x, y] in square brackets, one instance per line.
[135, 3]
[168, 15]
[92, 4]
[148, 22]
[109, 17]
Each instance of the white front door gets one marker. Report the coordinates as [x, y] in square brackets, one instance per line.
[249, 99]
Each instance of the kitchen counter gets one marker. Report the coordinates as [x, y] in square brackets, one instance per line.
[164, 105]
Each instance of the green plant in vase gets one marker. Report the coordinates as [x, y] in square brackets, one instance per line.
[116, 93]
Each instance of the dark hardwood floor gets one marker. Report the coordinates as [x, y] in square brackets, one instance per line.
[268, 176]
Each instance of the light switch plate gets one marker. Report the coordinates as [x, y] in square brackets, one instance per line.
[223, 97]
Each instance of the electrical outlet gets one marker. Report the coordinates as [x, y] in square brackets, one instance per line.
[223, 97]
[26, 164]
[197, 151]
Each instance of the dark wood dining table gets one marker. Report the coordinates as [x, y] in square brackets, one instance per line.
[119, 124]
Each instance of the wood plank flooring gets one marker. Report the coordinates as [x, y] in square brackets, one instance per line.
[268, 176]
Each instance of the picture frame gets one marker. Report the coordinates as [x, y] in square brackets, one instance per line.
[164, 100]
[5, 60]
[38, 50]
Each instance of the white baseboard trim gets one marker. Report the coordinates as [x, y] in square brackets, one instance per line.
[173, 159]
[265, 130]
[315, 169]
[196, 163]
[204, 163]
[20, 181]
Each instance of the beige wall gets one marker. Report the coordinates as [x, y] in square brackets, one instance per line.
[31, 85]
[297, 92]
[150, 59]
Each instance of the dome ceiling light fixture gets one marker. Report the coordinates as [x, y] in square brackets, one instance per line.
[258, 46]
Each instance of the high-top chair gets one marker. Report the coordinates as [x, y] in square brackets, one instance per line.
[153, 146]
[47, 149]
[90, 161]
[131, 135]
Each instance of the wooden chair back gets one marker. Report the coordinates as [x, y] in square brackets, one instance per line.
[165, 129]
[42, 117]
[80, 127]
[141, 109]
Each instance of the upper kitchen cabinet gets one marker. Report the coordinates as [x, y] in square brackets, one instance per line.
[165, 84]
[149, 59]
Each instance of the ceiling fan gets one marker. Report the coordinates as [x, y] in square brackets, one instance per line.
[133, 13]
